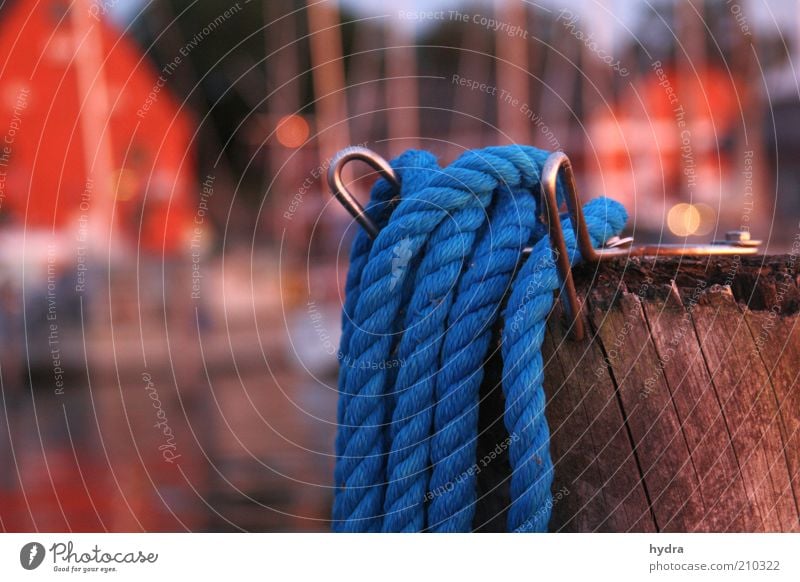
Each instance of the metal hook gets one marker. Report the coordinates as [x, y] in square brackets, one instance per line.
[736, 243]
[344, 196]
[614, 248]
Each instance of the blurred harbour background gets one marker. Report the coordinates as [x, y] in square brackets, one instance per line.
[172, 263]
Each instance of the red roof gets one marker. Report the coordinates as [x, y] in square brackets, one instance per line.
[74, 91]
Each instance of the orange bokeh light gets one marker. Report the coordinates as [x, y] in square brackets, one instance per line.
[292, 131]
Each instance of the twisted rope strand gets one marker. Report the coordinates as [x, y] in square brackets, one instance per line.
[435, 277]
[361, 465]
[446, 250]
[378, 210]
[481, 289]
[523, 369]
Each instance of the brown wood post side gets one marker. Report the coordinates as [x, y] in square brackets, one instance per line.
[681, 410]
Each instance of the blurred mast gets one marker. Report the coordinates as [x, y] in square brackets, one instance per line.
[597, 83]
[280, 42]
[192, 91]
[558, 78]
[366, 87]
[690, 63]
[469, 108]
[402, 89]
[750, 136]
[285, 58]
[327, 69]
[94, 118]
[512, 67]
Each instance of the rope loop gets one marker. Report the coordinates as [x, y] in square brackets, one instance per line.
[421, 303]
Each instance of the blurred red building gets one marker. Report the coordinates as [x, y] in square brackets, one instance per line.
[89, 130]
[670, 151]
[96, 161]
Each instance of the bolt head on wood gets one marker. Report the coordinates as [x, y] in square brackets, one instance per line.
[737, 236]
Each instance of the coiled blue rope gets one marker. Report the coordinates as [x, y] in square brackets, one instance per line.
[482, 287]
[421, 302]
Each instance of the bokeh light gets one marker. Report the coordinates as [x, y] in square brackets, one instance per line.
[292, 131]
[683, 219]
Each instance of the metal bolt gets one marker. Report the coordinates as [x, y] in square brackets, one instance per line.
[739, 236]
[616, 241]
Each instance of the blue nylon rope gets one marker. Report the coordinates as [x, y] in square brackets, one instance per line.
[481, 289]
[408, 165]
[421, 301]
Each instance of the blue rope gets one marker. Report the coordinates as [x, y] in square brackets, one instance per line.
[420, 305]
[523, 369]
[436, 279]
[407, 165]
[481, 290]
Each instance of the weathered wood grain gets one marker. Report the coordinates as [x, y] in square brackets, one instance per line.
[681, 412]
[592, 450]
[701, 415]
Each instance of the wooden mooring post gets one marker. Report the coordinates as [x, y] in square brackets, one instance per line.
[680, 411]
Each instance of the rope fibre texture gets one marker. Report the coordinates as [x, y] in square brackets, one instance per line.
[421, 301]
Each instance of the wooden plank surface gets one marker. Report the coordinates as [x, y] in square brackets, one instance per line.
[681, 411]
[592, 450]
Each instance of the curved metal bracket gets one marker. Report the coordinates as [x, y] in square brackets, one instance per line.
[344, 196]
[740, 245]
[736, 243]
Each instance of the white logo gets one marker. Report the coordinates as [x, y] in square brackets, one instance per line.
[402, 256]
